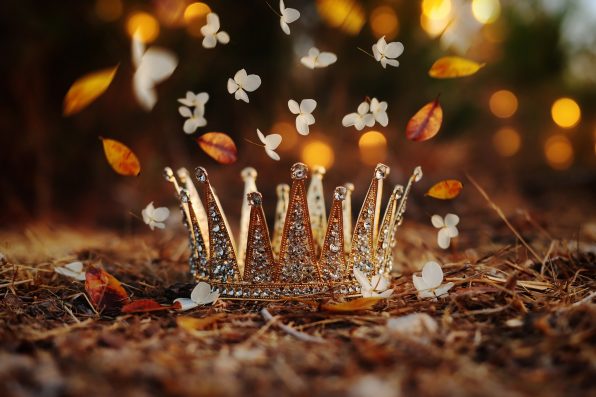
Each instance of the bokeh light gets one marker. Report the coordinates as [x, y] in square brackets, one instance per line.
[384, 22]
[108, 10]
[503, 103]
[347, 15]
[486, 11]
[507, 141]
[565, 112]
[373, 147]
[195, 17]
[317, 152]
[145, 24]
[170, 12]
[558, 152]
[435, 16]
[288, 133]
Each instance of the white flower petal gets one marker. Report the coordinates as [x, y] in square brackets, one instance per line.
[376, 52]
[325, 59]
[184, 111]
[190, 126]
[443, 239]
[313, 52]
[302, 125]
[213, 21]
[363, 108]
[362, 280]
[293, 106]
[261, 136]
[240, 77]
[384, 62]
[161, 214]
[272, 141]
[419, 283]
[437, 221]
[284, 26]
[271, 153]
[451, 220]
[382, 118]
[426, 294]
[251, 83]
[308, 105]
[186, 304]
[209, 41]
[394, 49]
[200, 292]
[223, 37]
[452, 231]
[73, 270]
[159, 225]
[382, 45]
[391, 62]
[442, 290]
[432, 274]
[186, 102]
[232, 86]
[241, 95]
[380, 282]
[290, 15]
[349, 119]
[386, 294]
[359, 123]
[368, 120]
[309, 62]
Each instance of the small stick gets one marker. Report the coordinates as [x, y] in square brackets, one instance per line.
[273, 9]
[367, 53]
[503, 217]
[291, 331]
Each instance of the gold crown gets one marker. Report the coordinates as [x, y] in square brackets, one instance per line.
[308, 255]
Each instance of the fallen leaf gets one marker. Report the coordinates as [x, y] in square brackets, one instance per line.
[86, 89]
[121, 158]
[452, 67]
[144, 305]
[196, 324]
[445, 190]
[105, 291]
[351, 306]
[219, 146]
[426, 122]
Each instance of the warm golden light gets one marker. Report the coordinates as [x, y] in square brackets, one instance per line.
[433, 27]
[558, 152]
[565, 112]
[108, 10]
[503, 103]
[170, 12]
[288, 133]
[347, 15]
[436, 9]
[318, 152]
[384, 22]
[507, 141]
[195, 17]
[373, 147]
[145, 24]
[486, 11]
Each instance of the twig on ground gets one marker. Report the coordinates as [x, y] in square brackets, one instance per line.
[291, 331]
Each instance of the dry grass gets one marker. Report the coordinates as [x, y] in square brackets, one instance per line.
[513, 325]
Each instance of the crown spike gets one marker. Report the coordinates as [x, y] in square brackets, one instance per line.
[316, 207]
[383, 254]
[347, 211]
[297, 254]
[399, 215]
[260, 267]
[249, 176]
[195, 202]
[283, 198]
[221, 247]
[333, 257]
[362, 253]
[198, 253]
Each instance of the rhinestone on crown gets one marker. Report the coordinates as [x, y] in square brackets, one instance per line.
[290, 264]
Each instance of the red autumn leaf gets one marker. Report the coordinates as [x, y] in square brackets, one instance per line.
[144, 305]
[105, 291]
[445, 190]
[218, 146]
[426, 122]
[121, 158]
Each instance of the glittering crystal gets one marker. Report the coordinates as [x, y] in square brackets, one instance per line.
[381, 171]
[201, 174]
[299, 171]
[255, 199]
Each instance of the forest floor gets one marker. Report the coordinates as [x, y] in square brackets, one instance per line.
[520, 321]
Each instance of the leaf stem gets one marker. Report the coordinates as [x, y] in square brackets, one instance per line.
[273, 9]
[254, 143]
[367, 53]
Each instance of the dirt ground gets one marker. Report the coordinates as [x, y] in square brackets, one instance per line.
[515, 324]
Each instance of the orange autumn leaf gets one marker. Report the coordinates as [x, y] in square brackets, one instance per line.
[86, 89]
[188, 323]
[426, 122]
[218, 146]
[445, 190]
[144, 305]
[121, 158]
[105, 291]
[452, 67]
[351, 306]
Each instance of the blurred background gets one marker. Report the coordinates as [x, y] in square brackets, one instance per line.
[524, 125]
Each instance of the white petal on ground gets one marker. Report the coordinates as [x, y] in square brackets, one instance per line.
[442, 290]
[432, 274]
[415, 324]
[186, 304]
[73, 270]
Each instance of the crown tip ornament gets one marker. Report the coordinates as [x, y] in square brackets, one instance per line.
[303, 258]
